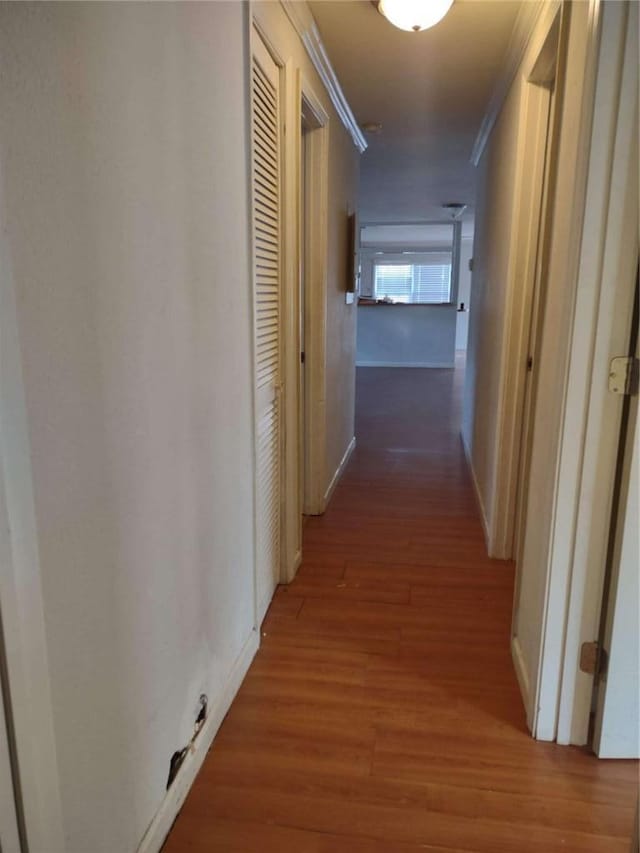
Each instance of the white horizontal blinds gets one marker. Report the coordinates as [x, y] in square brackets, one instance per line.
[267, 277]
[394, 281]
[425, 281]
[432, 283]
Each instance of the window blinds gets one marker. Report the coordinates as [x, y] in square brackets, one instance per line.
[425, 282]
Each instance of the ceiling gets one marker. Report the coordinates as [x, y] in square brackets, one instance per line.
[429, 90]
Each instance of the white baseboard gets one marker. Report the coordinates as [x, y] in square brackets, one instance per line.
[263, 605]
[158, 830]
[290, 572]
[521, 672]
[339, 471]
[479, 501]
[437, 364]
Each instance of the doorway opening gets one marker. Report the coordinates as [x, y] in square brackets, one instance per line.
[525, 309]
[304, 316]
[312, 302]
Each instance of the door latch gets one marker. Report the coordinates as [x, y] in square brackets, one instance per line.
[623, 375]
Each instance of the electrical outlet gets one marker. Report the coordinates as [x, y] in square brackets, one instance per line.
[177, 759]
[202, 713]
[175, 763]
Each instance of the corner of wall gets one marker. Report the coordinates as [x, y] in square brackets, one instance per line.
[478, 495]
[335, 479]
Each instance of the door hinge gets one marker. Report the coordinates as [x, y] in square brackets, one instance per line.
[593, 659]
[623, 375]
[302, 357]
[529, 363]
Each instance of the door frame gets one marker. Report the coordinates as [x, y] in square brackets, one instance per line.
[601, 331]
[304, 493]
[313, 243]
[547, 529]
[296, 87]
[529, 232]
[594, 236]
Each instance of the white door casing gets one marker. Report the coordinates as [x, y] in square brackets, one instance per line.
[315, 298]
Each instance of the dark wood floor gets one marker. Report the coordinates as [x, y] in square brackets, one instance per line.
[381, 714]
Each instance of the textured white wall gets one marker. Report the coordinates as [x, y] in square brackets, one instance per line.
[124, 152]
[495, 201]
[406, 335]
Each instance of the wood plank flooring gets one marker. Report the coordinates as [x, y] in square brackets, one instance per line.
[382, 714]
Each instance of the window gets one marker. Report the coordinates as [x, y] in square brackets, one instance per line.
[426, 281]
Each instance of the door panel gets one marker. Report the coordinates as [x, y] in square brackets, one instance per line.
[266, 187]
[617, 714]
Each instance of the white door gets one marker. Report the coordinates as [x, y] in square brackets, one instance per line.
[9, 839]
[617, 721]
[266, 187]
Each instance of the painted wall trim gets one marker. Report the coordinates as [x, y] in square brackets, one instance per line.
[522, 30]
[437, 364]
[302, 20]
[477, 493]
[291, 498]
[158, 830]
[339, 471]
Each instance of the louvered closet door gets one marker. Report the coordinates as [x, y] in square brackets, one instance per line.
[267, 277]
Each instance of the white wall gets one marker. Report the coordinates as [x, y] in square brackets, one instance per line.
[464, 293]
[341, 318]
[124, 148]
[406, 335]
[495, 198]
[118, 143]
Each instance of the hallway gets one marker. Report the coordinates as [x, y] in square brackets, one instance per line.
[382, 714]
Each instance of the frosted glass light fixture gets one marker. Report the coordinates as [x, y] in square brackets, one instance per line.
[414, 15]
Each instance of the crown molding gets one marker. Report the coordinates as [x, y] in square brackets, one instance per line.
[523, 28]
[304, 24]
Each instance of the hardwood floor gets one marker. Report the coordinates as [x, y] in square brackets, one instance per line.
[382, 714]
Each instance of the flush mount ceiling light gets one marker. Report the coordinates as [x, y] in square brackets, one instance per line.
[414, 15]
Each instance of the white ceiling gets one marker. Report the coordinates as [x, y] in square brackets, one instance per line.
[429, 90]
